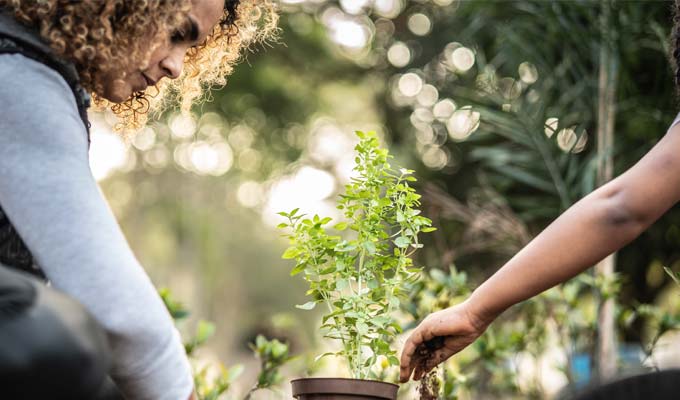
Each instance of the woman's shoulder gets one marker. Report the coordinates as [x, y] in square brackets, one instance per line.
[37, 100]
[23, 77]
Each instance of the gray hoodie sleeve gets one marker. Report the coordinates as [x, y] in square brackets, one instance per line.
[49, 194]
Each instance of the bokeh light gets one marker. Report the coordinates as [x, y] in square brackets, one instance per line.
[182, 126]
[250, 194]
[399, 54]
[566, 139]
[352, 33]
[388, 8]
[434, 157]
[419, 24]
[444, 109]
[463, 123]
[329, 143]
[144, 139]
[157, 157]
[463, 59]
[107, 152]
[410, 84]
[354, 6]
[528, 73]
[551, 125]
[428, 96]
[307, 189]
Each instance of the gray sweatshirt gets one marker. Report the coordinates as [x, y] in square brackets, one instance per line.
[49, 194]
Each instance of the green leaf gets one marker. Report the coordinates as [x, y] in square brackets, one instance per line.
[204, 331]
[307, 306]
[402, 242]
[394, 302]
[298, 268]
[319, 357]
[341, 284]
[290, 253]
[234, 372]
[341, 226]
[370, 247]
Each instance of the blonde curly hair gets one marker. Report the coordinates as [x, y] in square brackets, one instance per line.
[101, 38]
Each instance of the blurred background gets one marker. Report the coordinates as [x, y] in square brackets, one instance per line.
[509, 111]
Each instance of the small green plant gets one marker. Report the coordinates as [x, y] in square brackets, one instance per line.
[272, 354]
[208, 386]
[360, 276]
[212, 386]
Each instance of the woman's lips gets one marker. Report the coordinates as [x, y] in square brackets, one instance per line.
[149, 81]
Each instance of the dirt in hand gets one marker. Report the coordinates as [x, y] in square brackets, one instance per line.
[428, 387]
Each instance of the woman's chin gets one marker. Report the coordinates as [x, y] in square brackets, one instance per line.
[117, 91]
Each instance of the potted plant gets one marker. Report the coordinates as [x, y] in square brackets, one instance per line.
[359, 274]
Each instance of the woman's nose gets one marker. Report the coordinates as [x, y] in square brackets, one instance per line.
[172, 64]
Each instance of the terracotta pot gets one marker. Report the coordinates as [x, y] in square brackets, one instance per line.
[343, 389]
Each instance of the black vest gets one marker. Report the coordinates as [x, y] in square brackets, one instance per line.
[19, 39]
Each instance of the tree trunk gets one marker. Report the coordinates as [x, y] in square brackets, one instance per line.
[608, 75]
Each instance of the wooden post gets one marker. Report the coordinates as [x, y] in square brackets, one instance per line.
[606, 356]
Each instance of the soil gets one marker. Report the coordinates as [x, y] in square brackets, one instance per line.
[428, 388]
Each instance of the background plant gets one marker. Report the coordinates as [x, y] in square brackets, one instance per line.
[272, 355]
[209, 385]
[361, 277]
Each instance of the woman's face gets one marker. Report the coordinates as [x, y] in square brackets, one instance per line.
[167, 59]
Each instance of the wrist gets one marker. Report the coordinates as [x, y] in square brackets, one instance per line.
[479, 312]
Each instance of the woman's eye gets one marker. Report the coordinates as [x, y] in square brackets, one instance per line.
[188, 32]
[178, 36]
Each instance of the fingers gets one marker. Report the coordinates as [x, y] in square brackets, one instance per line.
[422, 334]
[408, 361]
[407, 355]
[418, 359]
[452, 345]
[432, 361]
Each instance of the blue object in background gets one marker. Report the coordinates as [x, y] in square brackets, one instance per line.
[580, 369]
[630, 358]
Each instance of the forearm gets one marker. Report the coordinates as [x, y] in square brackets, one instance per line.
[595, 227]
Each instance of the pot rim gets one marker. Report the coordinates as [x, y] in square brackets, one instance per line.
[343, 379]
[344, 386]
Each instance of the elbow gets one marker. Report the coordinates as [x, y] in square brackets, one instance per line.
[621, 212]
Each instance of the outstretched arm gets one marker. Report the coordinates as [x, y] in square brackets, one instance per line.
[598, 225]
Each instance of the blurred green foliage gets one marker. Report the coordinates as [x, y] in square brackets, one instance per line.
[211, 385]
[272, 355]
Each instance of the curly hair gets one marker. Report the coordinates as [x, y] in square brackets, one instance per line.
[101, 38]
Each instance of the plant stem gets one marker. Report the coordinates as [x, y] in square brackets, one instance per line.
[358, 341]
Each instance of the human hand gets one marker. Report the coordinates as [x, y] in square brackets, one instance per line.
[440, 335]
